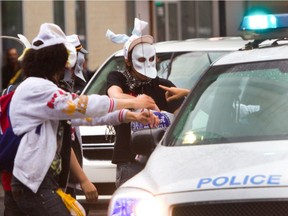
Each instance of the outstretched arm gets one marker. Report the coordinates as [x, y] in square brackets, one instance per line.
[139, 102]
[118, 117]
[173, 93]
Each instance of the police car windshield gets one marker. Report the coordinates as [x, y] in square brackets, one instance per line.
[235, 103]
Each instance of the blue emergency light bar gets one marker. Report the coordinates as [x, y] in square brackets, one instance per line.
[262, 27]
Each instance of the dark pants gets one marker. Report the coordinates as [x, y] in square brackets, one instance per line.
[126, 171]
[11, 207]
[46, 202]
[71, 191]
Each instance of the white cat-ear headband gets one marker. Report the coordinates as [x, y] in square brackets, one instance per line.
[51, 34]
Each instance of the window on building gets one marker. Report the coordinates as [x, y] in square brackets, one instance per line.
[81, 21]
[204, 14]
[188, 19]
[130, 8]
[59, 13]
[11, 20]
[173, 19]
[176, 20]
[160, 21]
[11, 16]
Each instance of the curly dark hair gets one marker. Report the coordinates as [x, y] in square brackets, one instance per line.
[48, 62]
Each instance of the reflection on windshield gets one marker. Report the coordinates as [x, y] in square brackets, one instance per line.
[241, 103]
[98, 84]
[186, 69]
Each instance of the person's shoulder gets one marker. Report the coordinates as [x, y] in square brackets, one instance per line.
[36, 84]
[115, 75]
[37, 81]
[165, 82]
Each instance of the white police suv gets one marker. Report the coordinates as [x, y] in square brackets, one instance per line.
[226, 152]
[180, 61]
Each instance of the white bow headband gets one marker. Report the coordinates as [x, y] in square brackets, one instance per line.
[139, 26]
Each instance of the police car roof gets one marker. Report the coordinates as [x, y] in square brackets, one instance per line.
[255, 55]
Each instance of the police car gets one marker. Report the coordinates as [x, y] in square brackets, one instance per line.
[182, 62]
[226, 152]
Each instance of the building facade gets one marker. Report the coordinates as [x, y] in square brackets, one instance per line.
[90, 19]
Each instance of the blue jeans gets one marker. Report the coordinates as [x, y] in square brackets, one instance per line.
[126, 171]
[46, 202]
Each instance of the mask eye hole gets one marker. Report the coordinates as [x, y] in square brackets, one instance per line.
[151, 59]
[141, 59]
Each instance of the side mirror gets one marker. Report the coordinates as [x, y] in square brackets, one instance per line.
[144, 141]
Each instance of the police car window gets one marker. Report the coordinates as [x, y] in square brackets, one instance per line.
[187, 68]
[98, 84]
[246, 102]
[164, 62]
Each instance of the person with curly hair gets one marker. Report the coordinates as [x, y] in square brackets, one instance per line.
[37, 110]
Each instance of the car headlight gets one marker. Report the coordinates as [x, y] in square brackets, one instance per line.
[134, 202]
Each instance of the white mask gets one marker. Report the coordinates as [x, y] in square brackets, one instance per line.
[144, 60]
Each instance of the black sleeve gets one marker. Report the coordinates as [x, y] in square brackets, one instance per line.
[116, 78]
[166, 82]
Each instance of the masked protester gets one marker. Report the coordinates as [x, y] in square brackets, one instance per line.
[139, 78]
[36, 110]
[74, 82]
